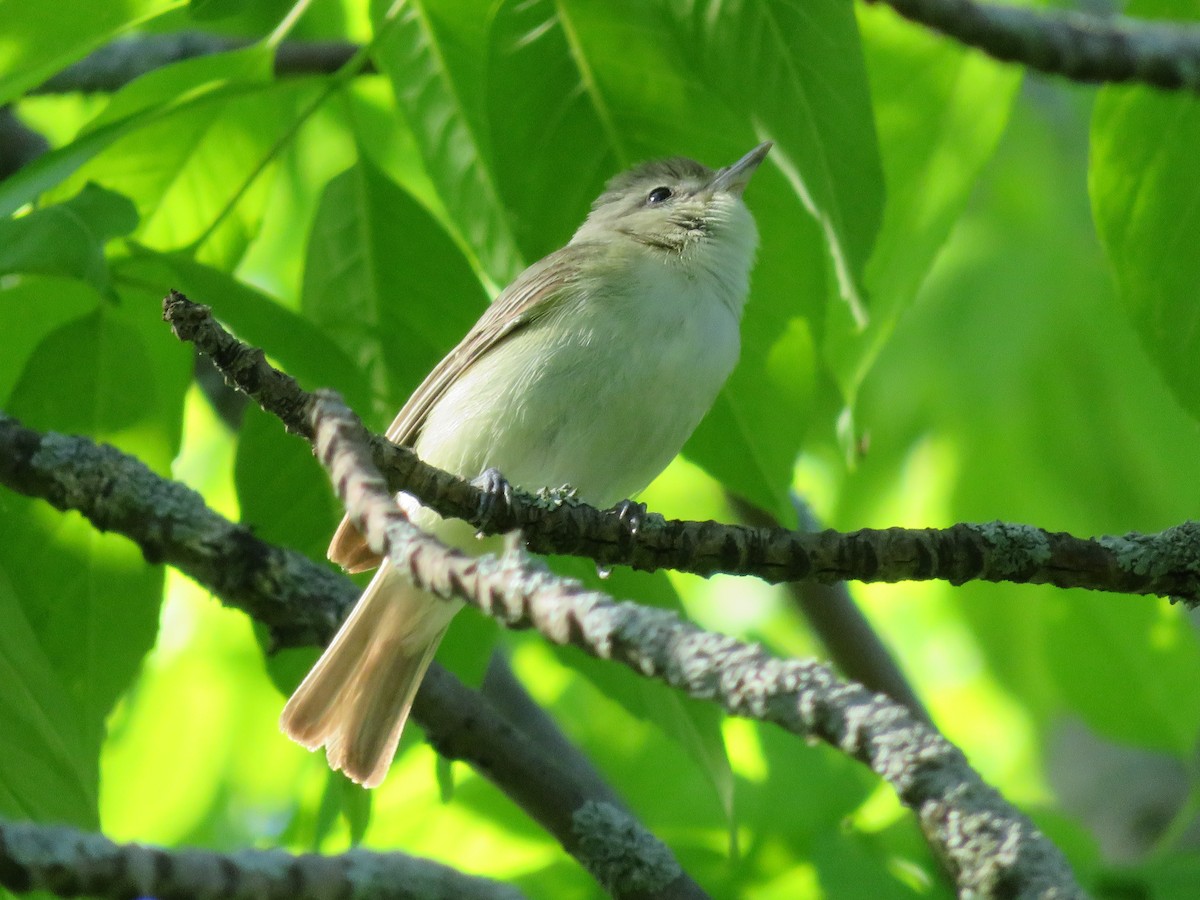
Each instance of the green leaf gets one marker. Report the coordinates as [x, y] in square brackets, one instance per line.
[37, 45]
[551, 147]
[173, 85]
[386, 283]
[68, 238]
[1160, 875]
[90, 597]
[468, 646]
[774, 383]
[214, 10]
[292, 341]
[56, 301]
[195, 167]
[86, 377]
[174, 103]
[824, 136]
[439, 86]
[51, 169]
[1146, 203]
[82, 606]
[283, 492]
[48, 770]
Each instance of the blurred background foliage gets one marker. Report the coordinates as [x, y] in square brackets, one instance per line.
[975, 300]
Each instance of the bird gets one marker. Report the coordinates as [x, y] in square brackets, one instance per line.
[591, 369]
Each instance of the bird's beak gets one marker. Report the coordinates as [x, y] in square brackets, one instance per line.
[735, 178]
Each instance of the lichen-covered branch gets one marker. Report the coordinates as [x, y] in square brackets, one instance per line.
[73, 863]
[1078, 46]
[302, 603]
[1167, 563]
[989, 847]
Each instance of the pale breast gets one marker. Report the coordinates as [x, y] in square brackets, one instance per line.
[599, 395]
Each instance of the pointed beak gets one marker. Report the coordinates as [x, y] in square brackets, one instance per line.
[735, 178]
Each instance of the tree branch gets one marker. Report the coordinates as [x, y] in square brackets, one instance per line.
[553, 522]
[73, 863]
[982, 839]
[989, 847]
[1074, 45]
[19, 144]
[119, 62]
[301, 603]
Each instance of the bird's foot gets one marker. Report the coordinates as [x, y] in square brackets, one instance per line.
[495, 500]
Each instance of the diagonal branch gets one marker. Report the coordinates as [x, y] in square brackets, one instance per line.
[1163, 564]
[302, 603]
[1076, 45]
[73, 863]
[988, 846]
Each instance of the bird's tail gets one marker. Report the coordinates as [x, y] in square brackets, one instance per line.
[356, 699]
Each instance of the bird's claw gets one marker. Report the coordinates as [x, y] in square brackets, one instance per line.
[496, 496]
[631, 514]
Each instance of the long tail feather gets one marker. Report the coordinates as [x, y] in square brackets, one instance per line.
[357, 697]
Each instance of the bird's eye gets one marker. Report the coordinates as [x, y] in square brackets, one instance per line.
[658, 195]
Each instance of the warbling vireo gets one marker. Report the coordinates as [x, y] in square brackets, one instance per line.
[591, 369]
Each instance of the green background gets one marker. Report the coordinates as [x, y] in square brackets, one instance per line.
[975, 299]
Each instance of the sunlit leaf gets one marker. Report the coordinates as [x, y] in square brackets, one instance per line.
[191, 94]
[194, 168]
[35, 46]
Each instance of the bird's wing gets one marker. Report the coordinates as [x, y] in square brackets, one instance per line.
[531, 296]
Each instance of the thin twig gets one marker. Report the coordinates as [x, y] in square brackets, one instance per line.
[1165, 563]
[1075, 45]
[988, 846]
